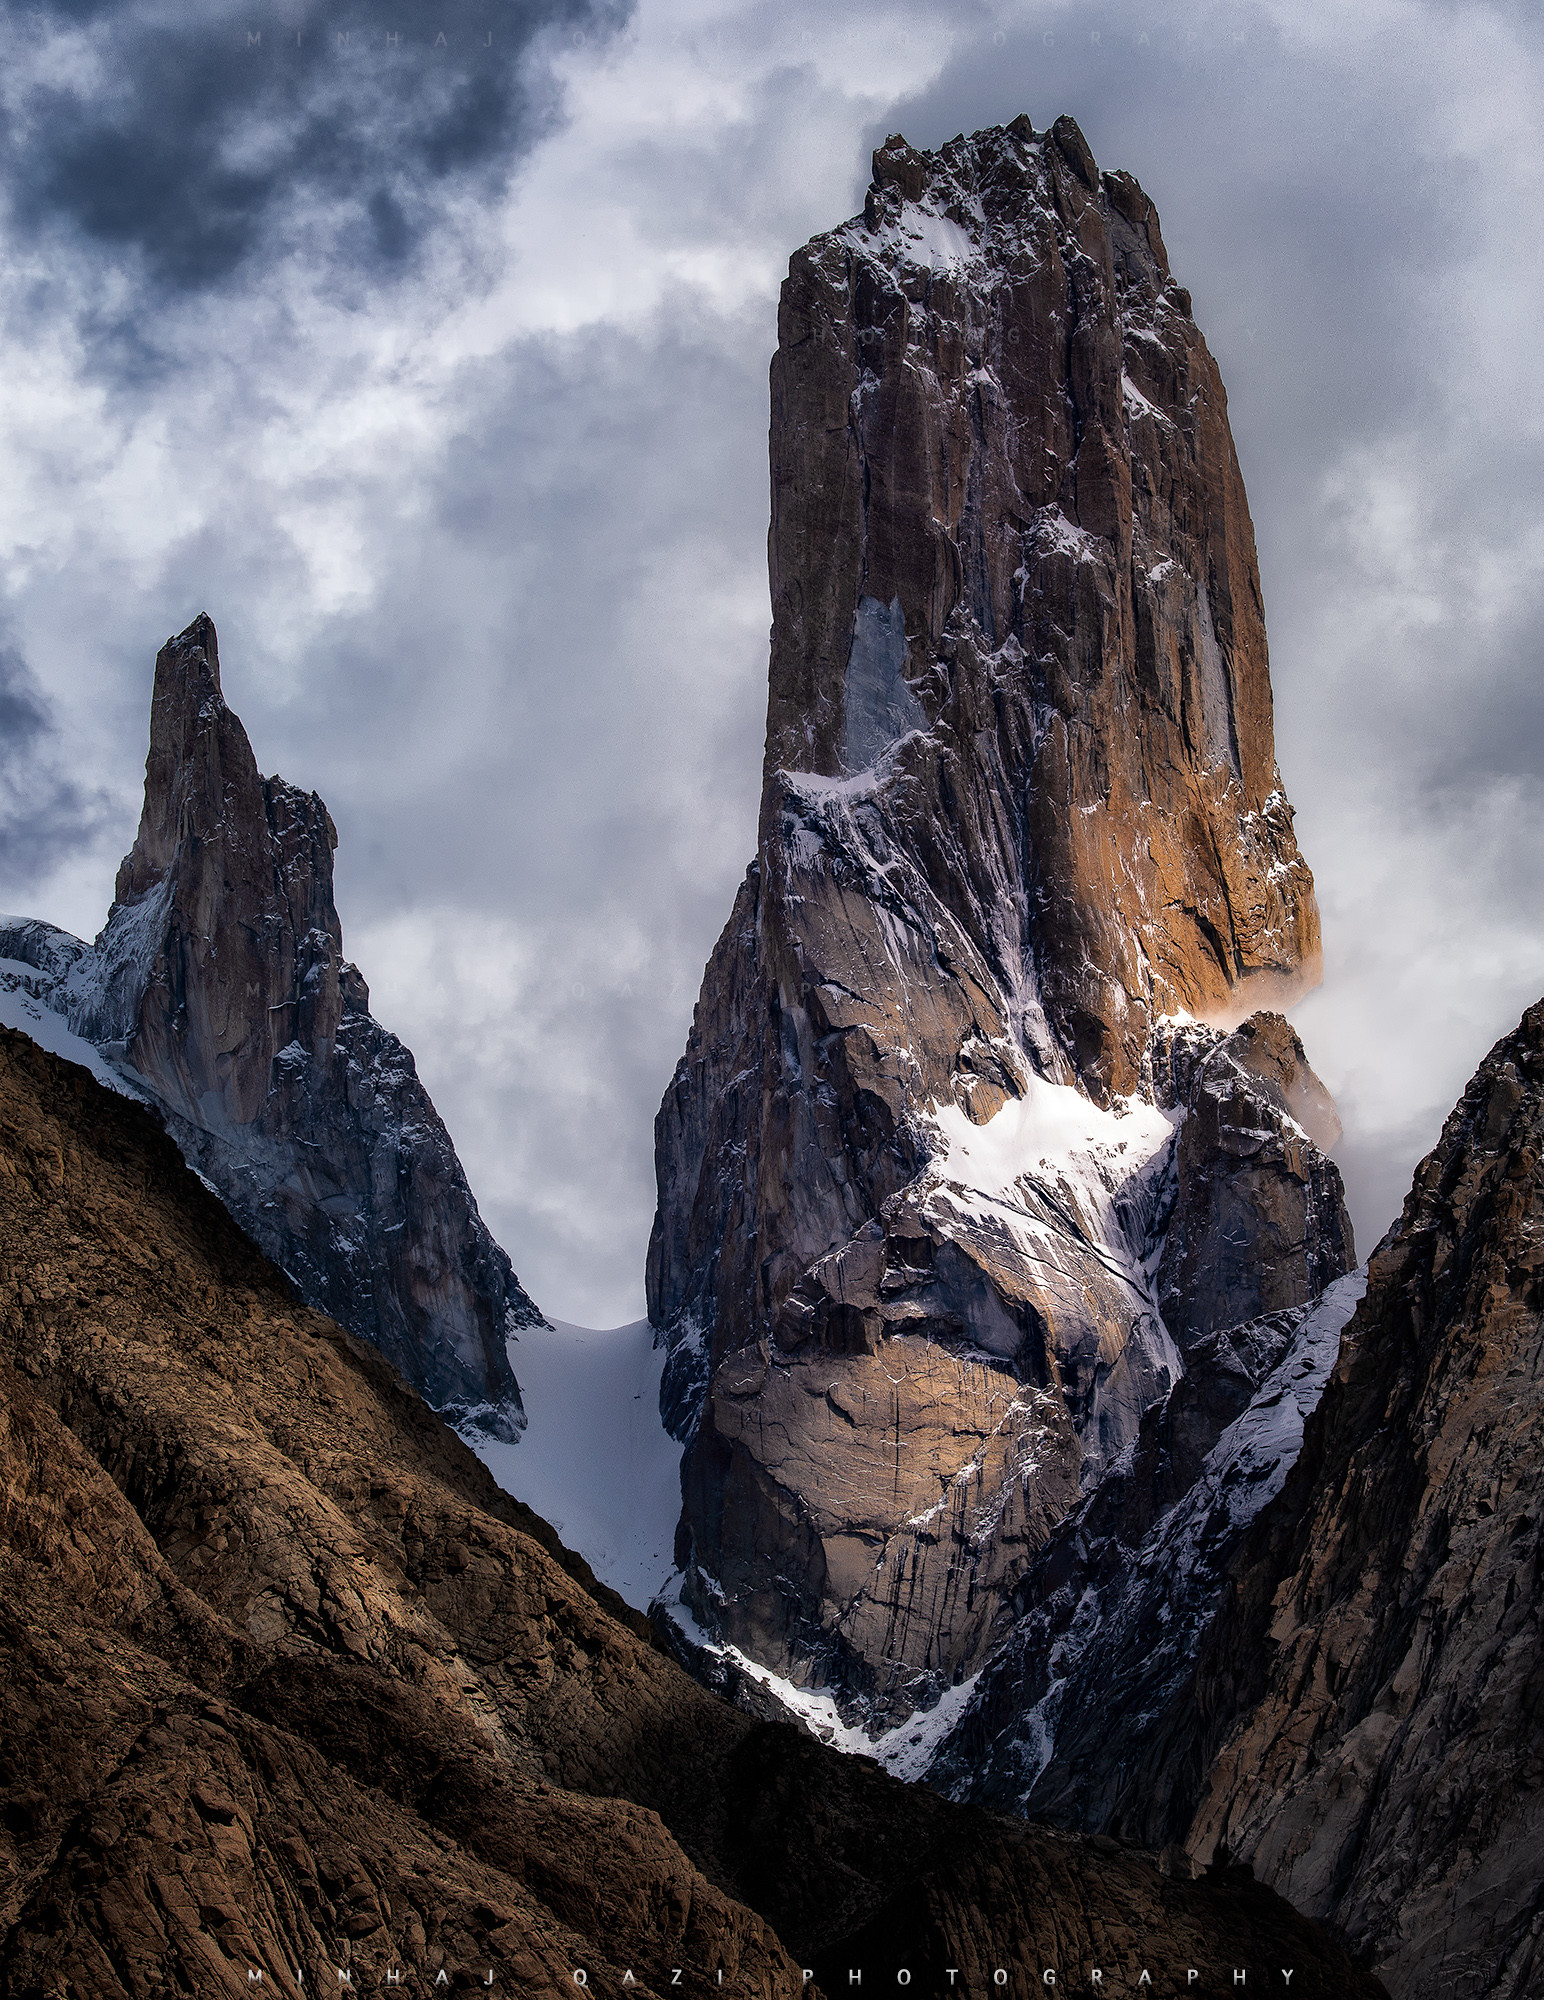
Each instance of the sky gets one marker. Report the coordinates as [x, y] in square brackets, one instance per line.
[435, 369]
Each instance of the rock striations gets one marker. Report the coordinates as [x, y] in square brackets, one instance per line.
[1086, 1715]
[290, 1690]
[1375, 1688]
[953, 1180]
[219, 984]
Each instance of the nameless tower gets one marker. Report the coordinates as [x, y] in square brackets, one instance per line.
[968, 1145]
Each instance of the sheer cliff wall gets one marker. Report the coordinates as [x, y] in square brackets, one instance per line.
[1373, 1691]
[917, 1170]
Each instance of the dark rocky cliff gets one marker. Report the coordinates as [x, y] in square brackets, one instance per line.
[1086, 1714]
[1374, 1692]
[219, 984]
[949, 1172]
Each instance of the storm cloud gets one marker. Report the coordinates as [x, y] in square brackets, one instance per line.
[186, 144]
[45, 814]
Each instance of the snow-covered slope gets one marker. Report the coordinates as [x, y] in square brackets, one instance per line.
[21, 1008]
[595, 1460]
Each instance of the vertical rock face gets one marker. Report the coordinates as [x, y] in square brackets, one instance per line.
[945, 1168]
[220, 981]
[1377, 1684]
[1085, 1716]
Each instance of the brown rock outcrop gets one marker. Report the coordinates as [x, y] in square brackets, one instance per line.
[1020, 807]
[287, 1684]
[219, 983]
[1376, 1686]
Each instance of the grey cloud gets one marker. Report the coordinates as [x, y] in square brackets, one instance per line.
[1464, 709]
[221, 136]
[609, 733]
[541, 745]
[45, 815]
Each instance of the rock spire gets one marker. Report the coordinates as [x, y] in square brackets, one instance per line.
[948, 1172]
[219, 983]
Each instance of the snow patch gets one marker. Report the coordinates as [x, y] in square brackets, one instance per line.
[1249, 1463]
[106, 989]
[1052, 530]
[879, 707]
[1137, 403]
[20, 1008]
[918, 237]
[1045, 1152]
[907, 1751]
[811, 789]
[1054, 1127]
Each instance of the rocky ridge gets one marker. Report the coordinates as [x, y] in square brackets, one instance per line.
[219, 986]
[290, 1686]
[951, 1174]
[1370, 1704]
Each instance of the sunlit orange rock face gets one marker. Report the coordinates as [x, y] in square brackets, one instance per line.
[1002, 476]
[1020, 811]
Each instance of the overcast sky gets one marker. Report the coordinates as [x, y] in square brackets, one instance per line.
[435, 370]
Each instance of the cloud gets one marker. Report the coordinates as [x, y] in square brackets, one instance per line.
[602, 700]
[46, 817]
[185, 144]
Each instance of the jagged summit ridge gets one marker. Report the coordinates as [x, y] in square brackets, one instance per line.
[219, 982]
[1368, 1704]
[951, 1144]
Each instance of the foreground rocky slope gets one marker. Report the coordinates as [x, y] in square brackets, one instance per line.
[220, 984]
[287, 1684]
[1377, 1685]
[948, 1181]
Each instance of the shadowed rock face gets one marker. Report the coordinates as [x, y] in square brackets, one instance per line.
[1258, 1220]
[1376, 1686]
[944, 1191]
[220, 983]
[1085, 1716]
[286, 1682]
